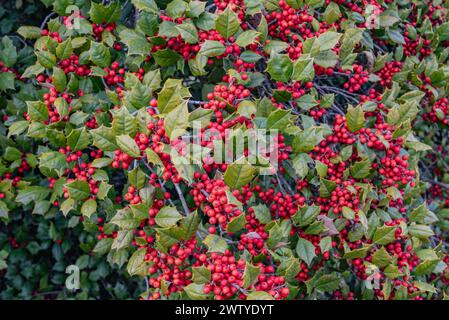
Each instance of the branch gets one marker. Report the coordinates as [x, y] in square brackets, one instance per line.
[46, 19]
[181, 197]
[197, 102]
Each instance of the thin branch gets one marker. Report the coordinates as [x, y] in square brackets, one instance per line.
[48, 17]
[197, 102]
[181, 197]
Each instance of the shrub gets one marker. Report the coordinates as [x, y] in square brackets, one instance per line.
[133, 143]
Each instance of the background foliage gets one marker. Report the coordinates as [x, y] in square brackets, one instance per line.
[90, 116]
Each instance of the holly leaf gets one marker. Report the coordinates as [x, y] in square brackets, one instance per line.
[227, 23]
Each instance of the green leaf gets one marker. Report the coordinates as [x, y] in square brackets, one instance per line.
[384, 235]
[398, 115]
[263, 29]
[195, 9]
[227, 23]
[419, 213]
[52, 163]
[136, 264]
[275, 46]
[146, 5]
[326, 244]
[201, 275]
[360, 169]
[305, 250]
[239, 174]
[279, 119]
[12, 154]
[29, 32]
[321, 168]
[303, 70]
[103, 246]
[68, 205]
[64, 49]
[125, 219]
[246, 38]
[152, 79]
[167, 217]
[105, 14]
[7, 81]
[3, 211]
[396, 36]
[327, 283]
[59, 79]
[169, 98]
[332, 13]
[17, 128]
[189, 225]
[78, 189]
[306, 215]
[37, 110]
[136, 42]
[236, 223]
[33, 70]
[78, 139]
[89, 207]
[32, 194]
[295, 4]
[328, 40]
[176, 121]
[100, 54]
[250, 275]
[46, 59]
[188, 32]
[104, 139]
[306, 140]
[212, 48]
[392, 271]
[262, 213]
[8, 52]
[196, 292]
[426, 267]
[355, 118]
[326, 187]
[215, 243]
[259, 295]
[424, 286]
[381, 258]
[420, 231]
[123, 122]
[176, 8]
[280, 68]
[166, 57]
[103, 190]
[128, 145]
[348, 213]
[123, 240]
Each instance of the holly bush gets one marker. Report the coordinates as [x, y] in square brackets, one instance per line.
[116, 117]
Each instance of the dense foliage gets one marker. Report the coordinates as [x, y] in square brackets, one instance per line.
[112, 113]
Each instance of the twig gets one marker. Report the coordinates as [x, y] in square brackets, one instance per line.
[46, 19]
[181, 197]
[159, 180]
[282, 180]
[197, 102]
[147, 287]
